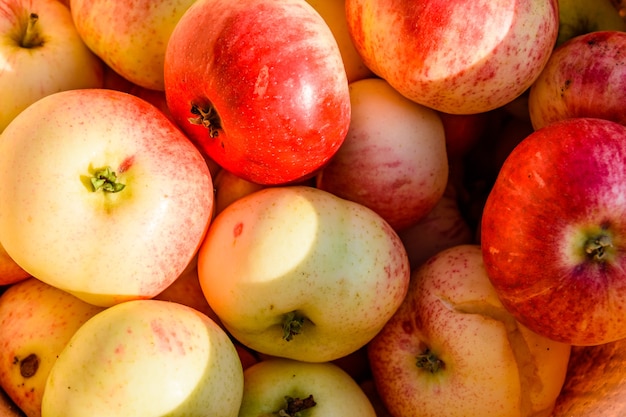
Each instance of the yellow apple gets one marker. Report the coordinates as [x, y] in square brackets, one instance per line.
[146, 358]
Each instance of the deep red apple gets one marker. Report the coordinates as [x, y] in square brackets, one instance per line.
[260, 85]
[554, 231]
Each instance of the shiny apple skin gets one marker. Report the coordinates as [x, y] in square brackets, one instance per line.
[561, 188]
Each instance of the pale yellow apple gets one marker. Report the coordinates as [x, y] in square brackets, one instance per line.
[146, 358]
[284, 387]
[36, 323]
[40, 53]
[452, 349]
[297, 272]
[130, 37]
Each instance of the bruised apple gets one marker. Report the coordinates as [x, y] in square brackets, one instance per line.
[109, 200]
[452, 349]
[259, 85]
[553, 231]
[297, 272]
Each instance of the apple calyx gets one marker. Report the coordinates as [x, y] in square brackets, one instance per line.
[106, 180]
[207, 117]
[292, 325]
[598, 248]
[429, 362]
[28, 365]
[295, 406]
[31, 37]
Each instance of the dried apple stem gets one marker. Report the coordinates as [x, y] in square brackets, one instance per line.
[292, 325]
[207, 117]
[598, 247]
[31, 37]
[295, 406]
[429, 362]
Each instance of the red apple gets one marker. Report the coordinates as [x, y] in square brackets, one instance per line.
[260, 86]
[554, 231]
[394, 157]
[584, 77]
[457, 57]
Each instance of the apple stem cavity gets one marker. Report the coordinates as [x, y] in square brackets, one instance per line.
[31, 37]
[292, 325]
[207, 117]
[429, 362]
[598, 247]
[296, 405]
[106, 180]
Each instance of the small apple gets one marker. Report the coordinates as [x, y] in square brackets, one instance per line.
[553, 231]
[36, 323]
[452, 349]
[146, 358]
[130, 38]
[260, 86]
[297, 272]
[463, 131]
[577, 17]
[584, 77]
[393, 159]
[230, 187]
[40, 53]
[334, 14]
[467, 57]
[285, 387]
[109, 200]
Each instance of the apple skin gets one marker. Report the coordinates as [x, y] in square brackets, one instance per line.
[489, 364]
[35, 70]
[146, 358]
[333, 263]
[10, 271]
[456, 57]
[577, 17]
[102, 247]
[36, 323]
[393, 159]
[131, 40]
[271, 76]
[553, 232]
[335, 393]
[584, 77]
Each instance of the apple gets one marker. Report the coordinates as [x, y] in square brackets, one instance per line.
[578, 17]
[463, 131]
[260, 86]
[584, 77]
[10, 272]
[553, 232]
[7, 407]
[463, 58]
[452, 349]
[334, 14]
[41, 53]
[297, 272]
[109, 200]
[393, 159]
[36, 323]
[146, 358]
[285, 387]
[131, 39]
[230, 187]
[595, 384]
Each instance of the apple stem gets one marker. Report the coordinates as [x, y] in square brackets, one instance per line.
[429, 362]
[292, 325]
[207, 117]
[106, 180]
[29, 365]
[597, 247]
[31, 38]
[296, 405]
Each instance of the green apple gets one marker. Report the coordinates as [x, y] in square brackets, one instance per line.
[36, 322]
[577, 17]
[297, 272]
[146, 358]
[285, 387]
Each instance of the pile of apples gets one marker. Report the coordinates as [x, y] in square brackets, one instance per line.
[305, 208]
